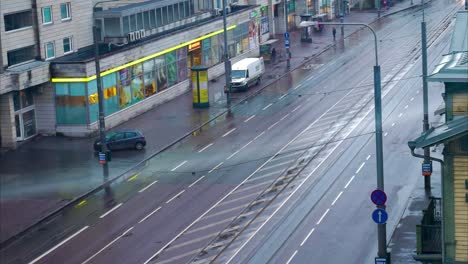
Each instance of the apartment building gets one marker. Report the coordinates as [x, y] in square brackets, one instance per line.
[32, 34]
[48, 78]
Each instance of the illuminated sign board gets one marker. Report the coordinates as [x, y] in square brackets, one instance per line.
[194, 46]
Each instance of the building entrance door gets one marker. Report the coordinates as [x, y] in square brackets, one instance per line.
[25, 115]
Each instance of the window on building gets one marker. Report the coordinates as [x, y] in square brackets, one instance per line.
[67, 45]
[20, 55]
[140, 20]
[164, 15]
[158, 17]
[133, 25]
[47, 15]
[18, 20]
[65, 11]
[176, 12]
[146, 19]
[170, 14]
[153, 19]
[70, 103]
[126, 25]
[50, 50]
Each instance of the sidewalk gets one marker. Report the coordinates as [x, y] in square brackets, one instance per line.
[45, 174]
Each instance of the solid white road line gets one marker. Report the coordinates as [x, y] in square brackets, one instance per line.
[284, 95]
[266, 107]
[207, 146]
[111, 210]
[58, 245]
[307, 237]
[104, 248]
[147, 186]
[323, 216]
[178, 166]
[292, 256]
[368, 157]
[175, 196]
[229, 132]
[195, 182]
[215, 167]
[337, 197]
[150, 214]
[360, 167]
[248, 119]
[350, 180]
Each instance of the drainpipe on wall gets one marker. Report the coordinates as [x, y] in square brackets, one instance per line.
[37, 39]
[442, 227]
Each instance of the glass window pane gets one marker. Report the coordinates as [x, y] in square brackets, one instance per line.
[46, 15]
[187, 9]
[158, 17]
[176, 12]
[65, 11]
[20, 55]
[146, 17]
[152, 19]
[77, 89]
[67, 45]
[133, 25]
[164, 15]
[126, 25]
[140, 21]
[170, 14]
[61, 88]
[161, 75]
[16, 101]
[50, 50]
[18, 20]
[125, 95]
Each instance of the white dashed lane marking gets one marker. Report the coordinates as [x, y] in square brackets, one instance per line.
[175, 196]
[307, 237]
[147, 186]
[266, 107]
[229, 132]
[111, 210]
[248, 119]
[323, 216]
[178, 166]
[207, 146]
[350, 180]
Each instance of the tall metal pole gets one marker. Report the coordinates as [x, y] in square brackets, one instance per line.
[342, 17]
[427, 155]
[227, 62]
[102, 124]
[288, 62]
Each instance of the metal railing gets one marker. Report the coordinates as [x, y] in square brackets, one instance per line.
[429, 232]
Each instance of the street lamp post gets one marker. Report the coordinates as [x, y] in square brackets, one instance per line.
[427, 155]
[102, 124]
[381, 228]
[288, 55]
[227, 62]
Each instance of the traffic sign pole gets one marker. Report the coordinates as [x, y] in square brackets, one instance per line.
[286, 34]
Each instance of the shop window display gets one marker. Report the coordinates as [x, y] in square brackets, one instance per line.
[161, 75]
[171, 62]
[70, 101]
[182, 64]
[149, 81]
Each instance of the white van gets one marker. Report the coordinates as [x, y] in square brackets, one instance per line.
[247, 72]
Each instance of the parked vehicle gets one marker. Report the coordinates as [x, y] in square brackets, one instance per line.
[246, 73]
[124, 139]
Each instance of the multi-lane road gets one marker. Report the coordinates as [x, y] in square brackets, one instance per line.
[284, 178]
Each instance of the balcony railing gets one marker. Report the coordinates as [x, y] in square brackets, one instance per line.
[429, 232]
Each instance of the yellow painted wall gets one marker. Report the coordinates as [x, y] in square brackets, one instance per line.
[460, 175]
[460, 104]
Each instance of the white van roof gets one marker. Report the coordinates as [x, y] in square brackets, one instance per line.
[241, 65]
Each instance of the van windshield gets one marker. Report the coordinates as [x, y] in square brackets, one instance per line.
[237, 74]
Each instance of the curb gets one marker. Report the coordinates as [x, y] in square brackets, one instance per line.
[134, 169]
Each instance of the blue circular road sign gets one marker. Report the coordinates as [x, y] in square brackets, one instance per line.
[379, 216]
[378, 197]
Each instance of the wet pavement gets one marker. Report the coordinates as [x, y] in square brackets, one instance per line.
[46, 173]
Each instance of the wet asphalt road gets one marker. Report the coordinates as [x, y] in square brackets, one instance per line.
[193, 188]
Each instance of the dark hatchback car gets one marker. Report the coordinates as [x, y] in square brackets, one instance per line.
[127, 139]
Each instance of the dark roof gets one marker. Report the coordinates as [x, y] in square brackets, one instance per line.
[446, 132]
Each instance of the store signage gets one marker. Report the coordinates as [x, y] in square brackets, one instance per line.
[194, 46]
[253, 14]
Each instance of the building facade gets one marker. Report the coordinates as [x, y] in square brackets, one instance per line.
[446, 241]
[48, 79]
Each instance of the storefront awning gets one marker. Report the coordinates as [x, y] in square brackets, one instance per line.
[446, 132]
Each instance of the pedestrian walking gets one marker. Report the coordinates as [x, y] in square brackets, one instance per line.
[273, 55]
[334, 33]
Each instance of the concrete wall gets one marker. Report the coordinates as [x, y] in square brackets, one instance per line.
[7, 122]
[45, 109]
[16, 38]
[79, 27]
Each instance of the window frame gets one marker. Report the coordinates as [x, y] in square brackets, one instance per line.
[10, 55]
[22, 26]
[43, 15]
[68, 10]
[70, 43]
[46, 50]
